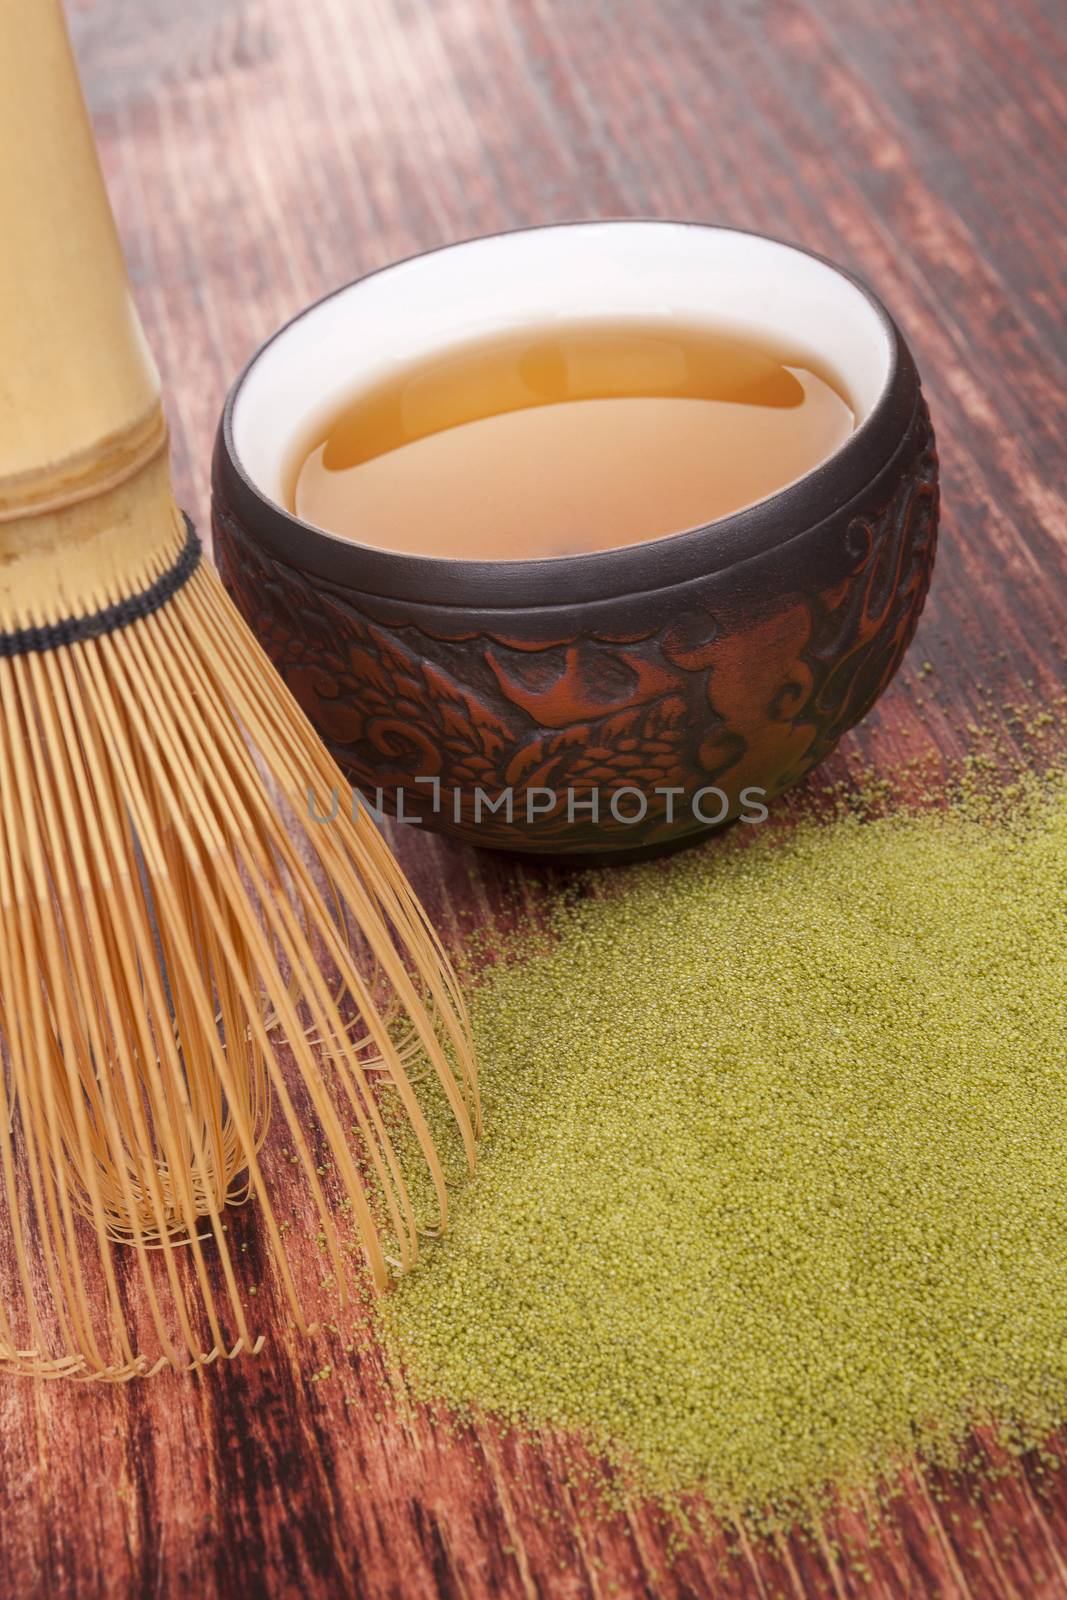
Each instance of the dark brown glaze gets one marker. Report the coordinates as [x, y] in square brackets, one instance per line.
[728, 659]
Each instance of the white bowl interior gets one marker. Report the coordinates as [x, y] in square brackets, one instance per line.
[610, 269]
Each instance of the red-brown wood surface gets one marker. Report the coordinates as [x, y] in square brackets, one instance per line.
[260, 152]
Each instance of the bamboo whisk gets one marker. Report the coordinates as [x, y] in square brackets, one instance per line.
[167, 917]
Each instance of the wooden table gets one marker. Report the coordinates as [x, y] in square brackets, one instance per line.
[260, 152]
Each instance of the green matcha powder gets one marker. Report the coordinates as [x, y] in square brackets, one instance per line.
[774, 1189]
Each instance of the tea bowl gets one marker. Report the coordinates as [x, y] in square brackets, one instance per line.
[604, 704]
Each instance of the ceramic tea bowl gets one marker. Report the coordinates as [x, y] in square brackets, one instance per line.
[607, 703]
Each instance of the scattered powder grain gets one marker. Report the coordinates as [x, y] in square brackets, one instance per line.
[774, 1189]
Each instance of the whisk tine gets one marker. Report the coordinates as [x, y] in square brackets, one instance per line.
[159, 894]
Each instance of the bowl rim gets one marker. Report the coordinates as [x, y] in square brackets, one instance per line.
[560, 581]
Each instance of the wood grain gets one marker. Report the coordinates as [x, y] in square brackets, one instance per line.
[260, 152]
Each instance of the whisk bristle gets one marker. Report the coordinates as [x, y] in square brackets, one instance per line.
[185, 956]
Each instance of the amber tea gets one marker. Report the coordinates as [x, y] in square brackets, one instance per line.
[559, 438]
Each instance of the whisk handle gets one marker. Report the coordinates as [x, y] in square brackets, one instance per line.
[79, 392]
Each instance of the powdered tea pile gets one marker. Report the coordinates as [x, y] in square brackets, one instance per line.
[775, 1189]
